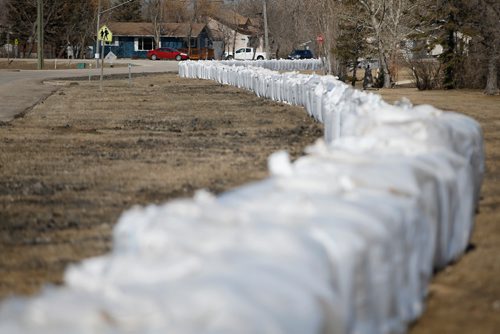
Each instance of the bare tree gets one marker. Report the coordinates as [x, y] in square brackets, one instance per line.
[401, 20]
[289, 22]
[468, 32]
[202, 9]
[79, 22]
[376, 11]
[129, 12]
[3, 11]
[327, 24]
[155, 12]
[176, 11]
[352, 40]
[21, 16]
[493, 59]
[489, 27]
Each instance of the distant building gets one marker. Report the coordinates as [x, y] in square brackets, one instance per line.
[429, 49]
[135, 39]
[231, 30]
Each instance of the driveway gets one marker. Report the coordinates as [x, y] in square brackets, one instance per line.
[21, 90]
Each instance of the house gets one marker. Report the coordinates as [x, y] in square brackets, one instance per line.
[231, 31]
[135, 39]
[412, 49]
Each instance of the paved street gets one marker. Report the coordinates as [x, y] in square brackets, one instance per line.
[21, 90]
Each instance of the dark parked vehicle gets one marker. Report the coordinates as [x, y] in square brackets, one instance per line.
[166, 53]
[301, 54]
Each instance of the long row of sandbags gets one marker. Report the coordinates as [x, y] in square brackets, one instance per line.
[310, 91]
[345, 111]
[343, 240]
[279, 64]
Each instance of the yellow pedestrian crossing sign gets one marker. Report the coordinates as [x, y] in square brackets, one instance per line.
[105, 34]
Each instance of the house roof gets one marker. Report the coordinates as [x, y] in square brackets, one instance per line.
[147, 29]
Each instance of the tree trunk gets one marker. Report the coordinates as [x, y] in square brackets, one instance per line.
[234, 44]
[492, 78]
[328, 61]
[448, 57]
[354, 71]
[387, 73]
[328, 51]
[381, 53]
[189, 38]
[158, 29]
[339, 68]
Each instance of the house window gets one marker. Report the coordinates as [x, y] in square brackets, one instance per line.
[144, 44]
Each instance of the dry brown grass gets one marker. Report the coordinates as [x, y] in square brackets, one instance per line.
[72, 165]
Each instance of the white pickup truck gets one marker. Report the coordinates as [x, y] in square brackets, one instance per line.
[245, 54]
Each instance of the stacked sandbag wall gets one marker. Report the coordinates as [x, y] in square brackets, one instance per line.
[343, 240]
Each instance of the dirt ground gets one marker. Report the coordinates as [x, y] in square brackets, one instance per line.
[465, 297]
[78, 160]
[75, 162]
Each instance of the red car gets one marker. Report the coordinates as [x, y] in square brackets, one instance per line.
[166, 53]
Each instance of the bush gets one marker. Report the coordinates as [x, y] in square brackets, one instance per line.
[427, 73]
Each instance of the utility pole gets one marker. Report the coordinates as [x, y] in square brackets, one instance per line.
[96, 52]
[266, 30]
[40, 34]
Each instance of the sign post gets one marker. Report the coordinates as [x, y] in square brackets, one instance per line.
[104, 35]
[102, 65]
[16, 48]
[96, 51]
[99, 13]
[320, 40]
[129, 75]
